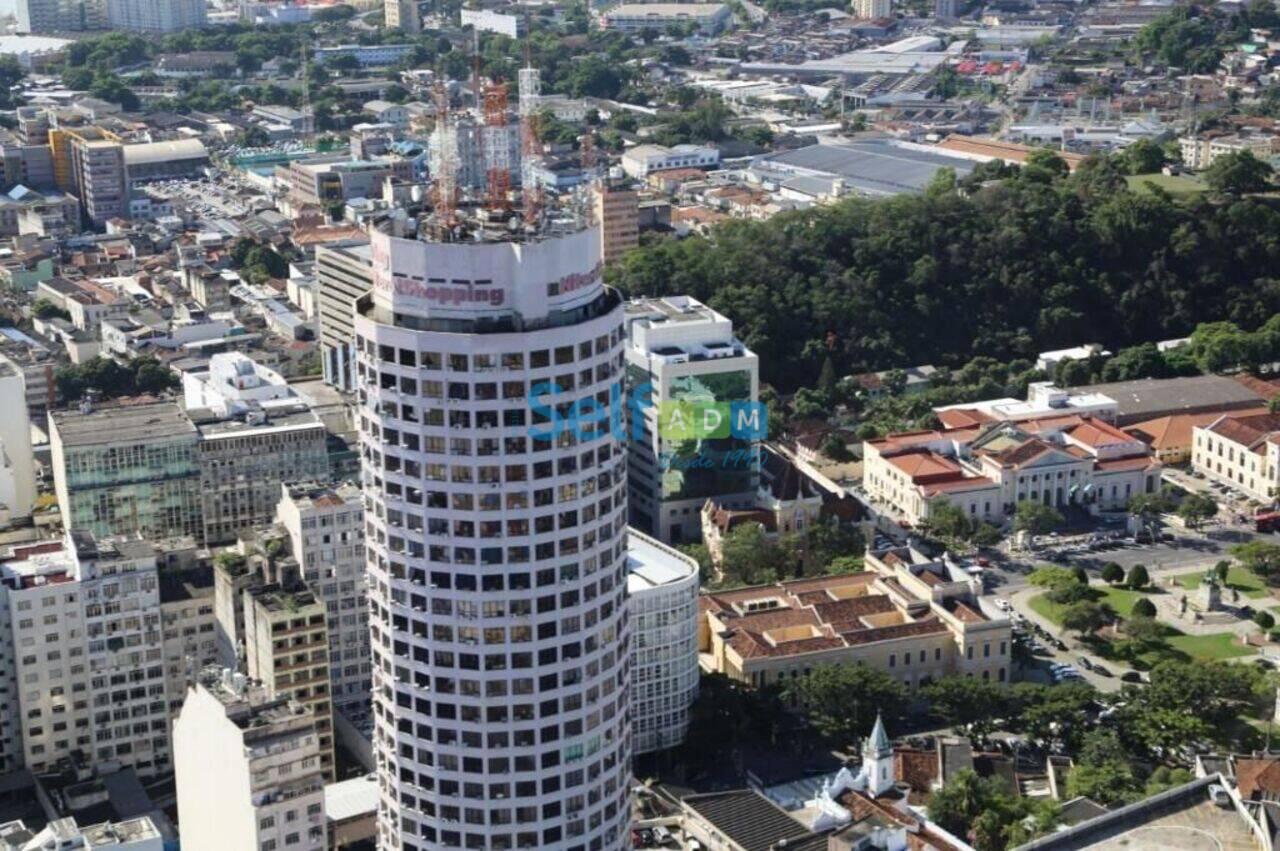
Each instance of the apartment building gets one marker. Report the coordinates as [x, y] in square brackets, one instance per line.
[618, 212]
[36, 366]
[872, 9]
[1068, 462]
[325, 526]
[272, 627]
[915, 618]
[248, 768]
[88, 652]
[487, 20]
[706, 18]
[1241, 451]
[89, 163]
[344, 273]
[127, 469]
[681, 351]
[662, 587]
[156, 16]
[59, 16]
[287, 650]
[17, 467]
[190, 628]
[402, 15]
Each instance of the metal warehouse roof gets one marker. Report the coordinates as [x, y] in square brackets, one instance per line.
[873, 167]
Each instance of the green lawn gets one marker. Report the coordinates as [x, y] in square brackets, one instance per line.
[1245, 581]
[1174, 185]
[1177, 645]
[1119, 599]
[1213, 647]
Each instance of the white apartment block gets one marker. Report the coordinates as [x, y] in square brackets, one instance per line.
[156, 16]
[496, 544]
[706, 18]
[872, 9]
[1242, 452]
[17, 467]
[685, 352]
[247, 769]
[325, 525]
[639, 161]
[986, 470]
[88, 651]
[487, 20]
[663, 586]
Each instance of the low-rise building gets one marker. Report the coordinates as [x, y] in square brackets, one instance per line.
[135, 834]
[197, 63]
[1044, 399]
[640, 161]
[917, 619]
[368, 55]
[1068, 462]
[1242, 452]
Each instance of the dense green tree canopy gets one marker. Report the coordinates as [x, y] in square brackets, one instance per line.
[1007, 270]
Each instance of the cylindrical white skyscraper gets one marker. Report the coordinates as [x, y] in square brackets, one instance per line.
[496, 541]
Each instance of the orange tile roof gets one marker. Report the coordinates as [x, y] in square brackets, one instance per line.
[999, 150]
[1175, 430]
[1257, 776]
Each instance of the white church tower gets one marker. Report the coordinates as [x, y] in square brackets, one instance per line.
[877, 761]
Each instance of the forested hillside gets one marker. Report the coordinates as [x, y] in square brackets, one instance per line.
[1035, 261]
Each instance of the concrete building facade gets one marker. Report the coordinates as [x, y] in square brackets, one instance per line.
[662, 584]
[127, 470]
[325, 525]
[247, 769]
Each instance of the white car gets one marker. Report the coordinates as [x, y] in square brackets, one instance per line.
[1002, 604]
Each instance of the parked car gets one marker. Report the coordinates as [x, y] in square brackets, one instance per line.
[1101, 671]
[1084, 662]
[1131, 677]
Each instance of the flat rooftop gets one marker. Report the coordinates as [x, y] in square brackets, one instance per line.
[142, 423]
[652, 564]
[872, 166]
[1154, 397]
[1180, 819]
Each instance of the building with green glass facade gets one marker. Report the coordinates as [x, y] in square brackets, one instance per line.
[685, 369]
[127, 469]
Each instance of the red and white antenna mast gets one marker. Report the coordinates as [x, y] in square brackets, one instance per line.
[497, 148]
[530, 143]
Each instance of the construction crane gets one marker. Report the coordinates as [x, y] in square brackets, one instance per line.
[496, 146]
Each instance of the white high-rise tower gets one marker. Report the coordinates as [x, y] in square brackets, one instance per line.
[496, 544]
